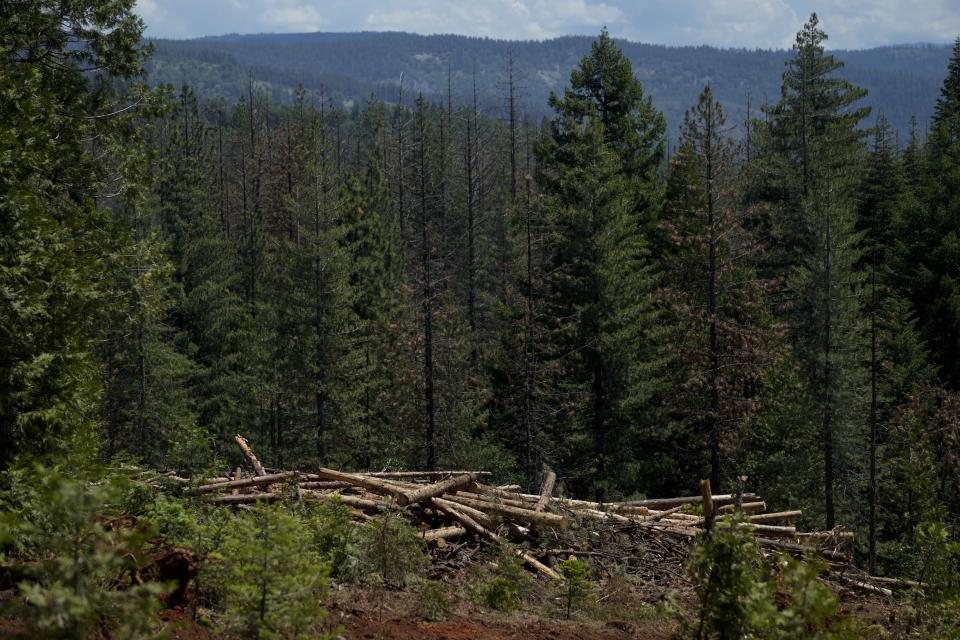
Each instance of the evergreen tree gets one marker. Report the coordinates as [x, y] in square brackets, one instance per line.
[50, 227]
[930, 237]
[719, 301]
[383, 378]
[598, 305]
[148, 372]
[814, 149]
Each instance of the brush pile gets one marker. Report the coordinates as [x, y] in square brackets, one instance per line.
[451, 505]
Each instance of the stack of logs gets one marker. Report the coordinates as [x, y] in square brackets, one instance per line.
[454, 504]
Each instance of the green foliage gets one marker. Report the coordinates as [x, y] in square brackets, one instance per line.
[51, 231]
[577, 591]
[432, 601]
[933, 559]
[740, 598]
[270, 582]
[505, 588]
[390, 548]
[336, 537]
[173, 521]
[80, 557]
[601, 325]
[726, 568]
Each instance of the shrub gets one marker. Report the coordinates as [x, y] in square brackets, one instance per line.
[577, 590]
[78, 554]
[505, 589]
[740, 599]
[931, 610]
[391, 548]
[336, 537]
[172, 519]
[270, 582]
[432, 602]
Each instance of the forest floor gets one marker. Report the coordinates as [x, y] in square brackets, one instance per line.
[365, 613]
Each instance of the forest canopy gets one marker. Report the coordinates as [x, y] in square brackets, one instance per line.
[420, 284]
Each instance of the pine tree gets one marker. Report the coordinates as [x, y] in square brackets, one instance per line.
[898, 361]
[50, 226]
[814, 149]
[723, 327]
[148, 372]
[930, 238]
[598, 153]
[378, 296]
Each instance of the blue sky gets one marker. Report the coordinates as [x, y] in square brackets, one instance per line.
[741, 23]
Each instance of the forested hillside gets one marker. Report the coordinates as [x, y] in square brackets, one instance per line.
[902, 80]
[439, 285]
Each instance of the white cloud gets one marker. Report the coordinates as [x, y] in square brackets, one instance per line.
[735, 23]
[513, 19]
[869, 23]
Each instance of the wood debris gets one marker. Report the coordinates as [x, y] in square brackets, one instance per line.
[455, 504]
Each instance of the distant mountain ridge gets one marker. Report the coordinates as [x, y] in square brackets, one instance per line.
[903, 80]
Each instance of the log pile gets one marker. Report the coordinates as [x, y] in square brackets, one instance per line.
[461, 504]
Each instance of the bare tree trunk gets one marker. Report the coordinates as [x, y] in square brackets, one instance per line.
[469, 161]
[828, 384]
[872, 562]
[714, 414]
[427, 294]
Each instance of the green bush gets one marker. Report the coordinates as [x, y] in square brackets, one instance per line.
[79, 554]
[933, 610]
[174, 521]
[506, 588]
[336, 537]
[270, 583]
[740, 597]
[432, 601]
[577, 590]
[390, 548]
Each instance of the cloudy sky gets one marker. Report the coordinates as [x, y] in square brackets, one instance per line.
[741, 23]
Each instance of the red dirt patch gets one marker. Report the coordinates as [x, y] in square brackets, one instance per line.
[364, 628]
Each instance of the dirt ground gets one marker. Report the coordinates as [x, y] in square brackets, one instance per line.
[376, 615]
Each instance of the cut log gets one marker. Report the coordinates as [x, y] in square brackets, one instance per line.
[248, 452]
[707, 495]
[443, 533]
[374, 485]
[485, 520]
[245, 482]
[486, 534]
[420, 474]
[545, 491]
[324, 484]
[827, 535]
[434, 490]
[894, 582]
[770, 530]
[523, 515]
[350, 501]
[777, 545]
[866, 586]
[667, 503]
[746, 507]
[604, 516]
[520, 504]
[664, 514]
[237, 475]
[244, 498]
[776, 516]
